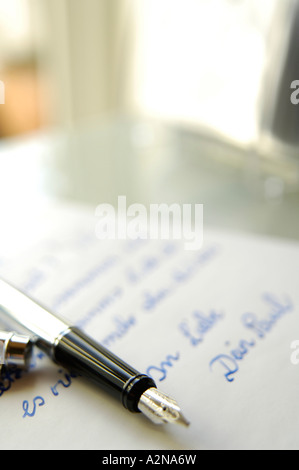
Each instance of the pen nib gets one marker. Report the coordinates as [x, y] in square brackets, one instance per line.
[160, 408]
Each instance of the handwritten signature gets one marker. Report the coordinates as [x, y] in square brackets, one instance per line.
[230, 362]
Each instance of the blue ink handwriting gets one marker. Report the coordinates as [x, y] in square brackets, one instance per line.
[68, 383]
[153, 299]
[162, 369]
[179, 277]
[122, 326]
[82, 283]
[9, 376]
[149, 263]
[264, 326]
[201, 259]
[261, 327]
[196, 327]
[101, 306]
[37, 401]
[230, 361]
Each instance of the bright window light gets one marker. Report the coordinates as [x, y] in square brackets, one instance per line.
[201, 61]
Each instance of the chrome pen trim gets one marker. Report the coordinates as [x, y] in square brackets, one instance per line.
[35, 319]
[15, 350]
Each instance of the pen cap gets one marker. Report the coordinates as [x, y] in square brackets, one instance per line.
[15, 349]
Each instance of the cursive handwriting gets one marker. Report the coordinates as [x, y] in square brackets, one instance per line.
[37, 401]
[121, 328]
[8, 377]
[106, 301]
[277, 310]
[65, 382]
[204, 257]
[160, 372]
[198, 325]
[152, 299]
[230, 362]
[82, 283]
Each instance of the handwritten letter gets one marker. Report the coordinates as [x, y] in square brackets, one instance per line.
[212, 327]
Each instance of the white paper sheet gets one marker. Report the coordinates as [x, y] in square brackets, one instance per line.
[213, 328]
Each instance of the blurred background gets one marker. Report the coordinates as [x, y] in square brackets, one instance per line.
[161, 100]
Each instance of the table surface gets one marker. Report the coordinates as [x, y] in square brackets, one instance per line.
[148, 162]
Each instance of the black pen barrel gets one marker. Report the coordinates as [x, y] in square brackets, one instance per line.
[80, 354]
[71, 348]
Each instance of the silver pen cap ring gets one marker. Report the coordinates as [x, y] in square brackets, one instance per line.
[15, 350]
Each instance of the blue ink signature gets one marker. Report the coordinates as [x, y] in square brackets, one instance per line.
[261, 327]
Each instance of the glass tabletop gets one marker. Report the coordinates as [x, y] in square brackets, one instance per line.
[147, 161]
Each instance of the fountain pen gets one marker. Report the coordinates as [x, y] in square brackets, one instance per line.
[73, 349]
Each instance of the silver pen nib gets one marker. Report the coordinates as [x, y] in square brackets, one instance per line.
[160, 408]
